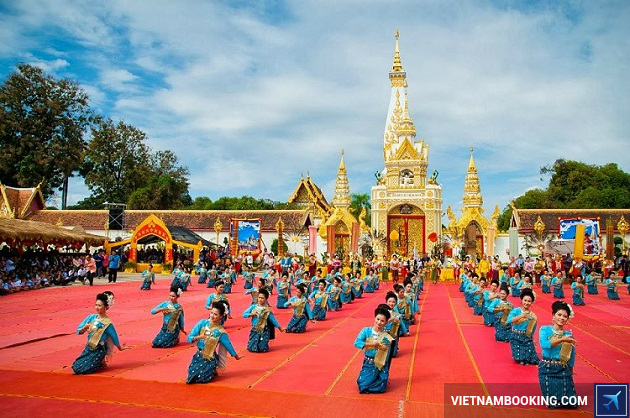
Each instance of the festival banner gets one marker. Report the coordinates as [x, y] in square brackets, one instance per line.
[246, 235]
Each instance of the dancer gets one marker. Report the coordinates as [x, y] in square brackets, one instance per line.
[591, 284]
[523, 322]
[611, 287]
[488, 297]
[184, 279]
[173, 320]
[502, 308]
[148, 278]
[301, 311]
[375, 342]
[334, 291]
[208, 334]
[555, 370]
[578, 291]
[395, 327]
[102, 337]
[219, 296]
[263, 323]
[203, 273]
[478, 297]
[320, 301]
[283, 291]
[403, 307]
[557, 282]
[545, 281]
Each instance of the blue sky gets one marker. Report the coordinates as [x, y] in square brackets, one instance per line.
[250, 94]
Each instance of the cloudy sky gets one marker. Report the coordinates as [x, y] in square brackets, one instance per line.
[252, 93]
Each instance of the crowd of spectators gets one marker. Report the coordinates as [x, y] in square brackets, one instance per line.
[35, 269]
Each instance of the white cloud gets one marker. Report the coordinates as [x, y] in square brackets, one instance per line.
[50, 66]
[251, 97]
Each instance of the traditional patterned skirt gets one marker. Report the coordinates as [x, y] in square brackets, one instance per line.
[556, 380]
[184, 285]
[371, 379]
[516, 292]
[545, 288]
[462, 285]
[258, 341]
[175, 282]
[166, 339]
[469, 300]
[558, 293]
[393, 350]
[202, 279]
[90, 360]
[210, 283]
[369, 288]
[478, 309]
[200, 369]
[281, 301]
[578, 300]
[612, 294]
[489, 318]
[592, 289]
[346, 297]
[248, 285]
[523, 350]
[357, 293]
[146, 285]
[332, 304]
[297, 325]
[502, 332]
[319, 313]
[227, 288]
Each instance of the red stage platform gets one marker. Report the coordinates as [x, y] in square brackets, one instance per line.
[311, 374]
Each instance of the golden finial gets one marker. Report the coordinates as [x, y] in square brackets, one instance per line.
[472, 168]
[397, 67]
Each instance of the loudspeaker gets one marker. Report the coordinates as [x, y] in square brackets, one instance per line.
[116, 219]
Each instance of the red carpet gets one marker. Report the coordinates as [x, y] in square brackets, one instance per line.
[307, 374]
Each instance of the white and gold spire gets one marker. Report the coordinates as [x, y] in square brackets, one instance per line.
[472, 189]
[341, 198]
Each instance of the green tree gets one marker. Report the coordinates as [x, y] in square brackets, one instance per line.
[117, 163]
[43, 121]
[577, 185]
[274, 246]
[358, 202]
[236, 203]
[160, 193]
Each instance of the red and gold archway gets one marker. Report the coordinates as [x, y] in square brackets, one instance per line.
[153, 225]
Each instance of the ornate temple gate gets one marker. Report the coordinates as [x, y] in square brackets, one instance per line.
[405, 230]
[473, 240]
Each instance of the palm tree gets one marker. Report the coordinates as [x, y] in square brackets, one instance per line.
[360, 201]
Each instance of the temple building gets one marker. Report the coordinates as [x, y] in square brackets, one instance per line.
[472, 232]
[341, 229]
[406, 207]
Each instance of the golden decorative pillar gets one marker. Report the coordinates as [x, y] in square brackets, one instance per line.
[622, 227]
[610, 240]
[280, 229]
[218, 227]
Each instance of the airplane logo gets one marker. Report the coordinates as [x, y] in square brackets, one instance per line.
[613, 398]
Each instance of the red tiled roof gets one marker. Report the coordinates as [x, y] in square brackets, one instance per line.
[20, 199]
[197, 220]
[551, 217]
